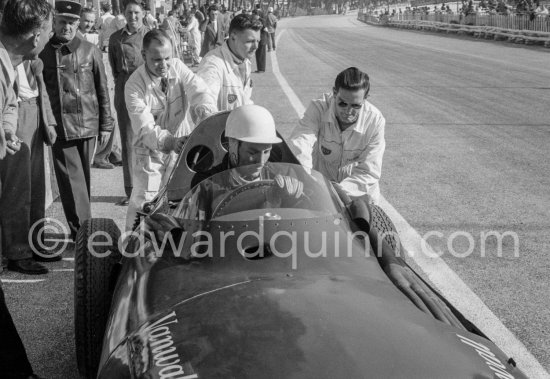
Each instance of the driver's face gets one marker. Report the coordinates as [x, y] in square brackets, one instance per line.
[255, 154]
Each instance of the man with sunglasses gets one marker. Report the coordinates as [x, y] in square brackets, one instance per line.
[341, 135]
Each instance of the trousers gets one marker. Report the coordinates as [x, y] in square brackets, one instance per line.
[23, 187]
[72, 161]
[151, 170]
[126, 138]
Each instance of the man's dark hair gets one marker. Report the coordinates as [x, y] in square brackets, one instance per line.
[213, 7]
[105, 6]
[352, 79]
[134, 2]
[243, 22]
[156, 35]
[21, 17]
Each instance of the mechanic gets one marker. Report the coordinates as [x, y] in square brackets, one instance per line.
[24, 30]
[158, 96]
[251, 132]
[341, 135]
[226, 69]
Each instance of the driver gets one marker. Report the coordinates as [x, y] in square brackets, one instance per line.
[250, 130]
[251, 133]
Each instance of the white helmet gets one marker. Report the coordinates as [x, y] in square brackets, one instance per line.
[251, 123]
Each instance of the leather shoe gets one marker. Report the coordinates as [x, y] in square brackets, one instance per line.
[45, 256]
[123, 202]
[27, 266]
[259, 72]
[103, 165]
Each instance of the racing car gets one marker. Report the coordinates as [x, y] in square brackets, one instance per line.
[260, 288]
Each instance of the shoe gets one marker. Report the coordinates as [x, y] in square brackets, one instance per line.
[259, 72]
[46, 256]
[27, 266]
[123, 202]
[116, 163]
[103, 165]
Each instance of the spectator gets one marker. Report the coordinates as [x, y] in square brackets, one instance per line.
[173, 28]
[23, 33]
[158, 97]
[35, 126]
[342, 136]
[149, 20]
[105, 25]
[226, 69]
[262, 46]
[125, 57]
[271, 24]
[24, 30]
[502, 8]
[194, 37]
[213, 33]
[80, 103]
[86, 26]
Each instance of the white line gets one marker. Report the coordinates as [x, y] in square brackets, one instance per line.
[294, 100]
[62, 269]
[21, 280]
[68, 259]
[441, 275]
[461, 296]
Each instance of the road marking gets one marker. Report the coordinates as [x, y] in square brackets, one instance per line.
[70, 259]
[438, 272]
[289, 92]
[21, 280]
[62, 269]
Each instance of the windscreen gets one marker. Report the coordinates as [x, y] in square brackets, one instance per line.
[274, 190]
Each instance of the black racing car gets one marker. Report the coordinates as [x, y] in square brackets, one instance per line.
[249, 284]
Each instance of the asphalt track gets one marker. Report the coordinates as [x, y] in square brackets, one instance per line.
[468, 139]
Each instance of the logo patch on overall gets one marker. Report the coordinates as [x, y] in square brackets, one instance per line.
[325, 150]
[231, 98]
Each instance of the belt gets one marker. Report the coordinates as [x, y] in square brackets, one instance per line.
[30, 100]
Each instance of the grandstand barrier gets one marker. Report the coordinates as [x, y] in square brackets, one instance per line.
[478, 31]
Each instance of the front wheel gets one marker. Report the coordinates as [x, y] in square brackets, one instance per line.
[96, 269]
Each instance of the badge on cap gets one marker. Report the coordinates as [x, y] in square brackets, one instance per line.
[231, 98]
[325, 150]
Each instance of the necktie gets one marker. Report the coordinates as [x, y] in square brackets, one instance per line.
[164, 85]
[30, 76]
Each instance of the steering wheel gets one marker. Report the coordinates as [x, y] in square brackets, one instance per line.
[238, 202]
[243, 198]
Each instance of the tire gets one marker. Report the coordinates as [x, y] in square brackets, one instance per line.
[381, 221]
[94, 282]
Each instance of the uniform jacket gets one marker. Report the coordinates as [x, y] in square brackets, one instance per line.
[223, 76]
[77, 86]
[353, 157]
[47, 118]
[212, 39]
[157, 117]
